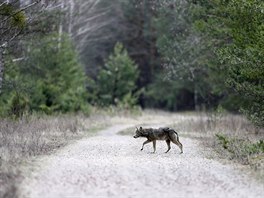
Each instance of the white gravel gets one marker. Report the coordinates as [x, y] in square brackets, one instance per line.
[110, 165]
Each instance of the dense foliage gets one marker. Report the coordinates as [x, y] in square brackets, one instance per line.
[212, 54]
[50, 80]
[244, 58]
[237, 25]
[185, 57]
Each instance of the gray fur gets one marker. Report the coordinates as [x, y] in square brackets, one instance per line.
[167, 134]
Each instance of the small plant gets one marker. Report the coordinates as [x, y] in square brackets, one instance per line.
[223, 140]
[257, 147]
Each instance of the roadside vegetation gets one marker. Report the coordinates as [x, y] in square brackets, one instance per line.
[30, 137]
[36, 135]
[244, 150]
[232, 137]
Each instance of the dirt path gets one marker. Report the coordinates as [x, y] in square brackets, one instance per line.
[110, 165]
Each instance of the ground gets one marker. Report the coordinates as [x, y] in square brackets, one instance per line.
[111, 165]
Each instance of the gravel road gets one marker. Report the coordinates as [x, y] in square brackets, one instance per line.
[110, 165]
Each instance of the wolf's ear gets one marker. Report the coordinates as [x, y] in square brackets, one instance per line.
[140, 128]
[137, 128]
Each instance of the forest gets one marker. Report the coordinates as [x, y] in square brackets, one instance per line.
[175, 55]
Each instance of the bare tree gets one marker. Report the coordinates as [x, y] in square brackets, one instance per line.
[96, 27]
[83, 20]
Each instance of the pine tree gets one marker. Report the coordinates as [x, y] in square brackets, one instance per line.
[118, 78]
[50, 80]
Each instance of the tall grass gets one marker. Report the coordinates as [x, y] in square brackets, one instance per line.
[211, 123]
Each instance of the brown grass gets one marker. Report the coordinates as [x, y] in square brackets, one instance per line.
[233, 137]
[33, 136]
[211, 123]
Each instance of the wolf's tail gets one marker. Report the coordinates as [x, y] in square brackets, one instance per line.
[172, 130]
[177, 136]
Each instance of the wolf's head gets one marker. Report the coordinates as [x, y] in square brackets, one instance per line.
[139, 132]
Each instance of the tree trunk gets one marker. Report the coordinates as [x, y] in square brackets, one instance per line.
[1, 68]
[114, 95]
[60, 31]
[71, 13]
[196, 98]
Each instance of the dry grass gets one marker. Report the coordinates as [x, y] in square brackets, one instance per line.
[233, 137]
[33, 136]
[211, 123]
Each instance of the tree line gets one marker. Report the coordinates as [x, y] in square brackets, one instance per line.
[62, 56]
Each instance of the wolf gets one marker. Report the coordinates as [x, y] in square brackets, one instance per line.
[166, 133]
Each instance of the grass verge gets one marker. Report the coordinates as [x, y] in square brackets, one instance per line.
[24, 139]
[232, 137]
[243, 150]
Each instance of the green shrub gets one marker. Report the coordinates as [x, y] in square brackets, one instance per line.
[223, 140]
[257, 147]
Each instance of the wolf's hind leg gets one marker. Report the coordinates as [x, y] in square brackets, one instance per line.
[154, 146]
[177, 142]
[146, 142]
[169, 147]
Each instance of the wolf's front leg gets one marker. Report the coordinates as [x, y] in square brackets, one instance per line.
[146, 142]
[154, 146]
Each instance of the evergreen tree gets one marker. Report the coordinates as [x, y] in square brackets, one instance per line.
[244, 58]
[117, 80]
[236, 28]
[50, 80]
[187, 58]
